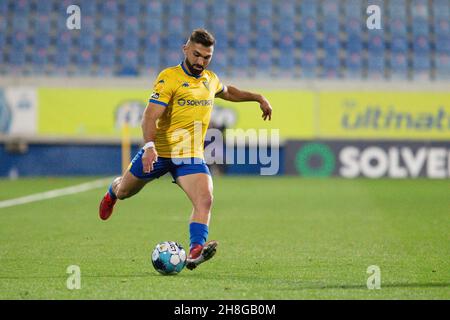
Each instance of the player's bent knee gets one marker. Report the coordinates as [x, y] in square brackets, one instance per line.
[204, 203]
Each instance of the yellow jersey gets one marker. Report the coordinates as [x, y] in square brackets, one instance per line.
[189, 100]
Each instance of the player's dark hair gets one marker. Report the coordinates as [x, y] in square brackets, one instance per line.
[203, 37]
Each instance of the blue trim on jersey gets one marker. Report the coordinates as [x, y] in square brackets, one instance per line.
[158, 102]
[189, 74]
[177, 167]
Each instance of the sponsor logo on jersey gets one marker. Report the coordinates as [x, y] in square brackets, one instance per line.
[195, 102]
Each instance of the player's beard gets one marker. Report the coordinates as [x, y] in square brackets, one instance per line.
[192, 70]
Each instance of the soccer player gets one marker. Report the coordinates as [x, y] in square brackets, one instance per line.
[174, 126]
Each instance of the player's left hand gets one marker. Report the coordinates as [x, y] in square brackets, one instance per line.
[266, 109]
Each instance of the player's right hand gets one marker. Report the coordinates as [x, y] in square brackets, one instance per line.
[149, 157]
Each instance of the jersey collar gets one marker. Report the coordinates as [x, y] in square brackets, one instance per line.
[188, 73]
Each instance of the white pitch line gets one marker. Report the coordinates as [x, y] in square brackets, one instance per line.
[56, 193]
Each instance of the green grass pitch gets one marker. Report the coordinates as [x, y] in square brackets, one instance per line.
[280, 238]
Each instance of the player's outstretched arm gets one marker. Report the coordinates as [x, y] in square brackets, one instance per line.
[231, 93]
[149, 118]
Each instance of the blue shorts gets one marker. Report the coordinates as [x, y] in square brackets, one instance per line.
[176, 166]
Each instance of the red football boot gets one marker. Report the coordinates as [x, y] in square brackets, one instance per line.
[199, 254]
[106, 206]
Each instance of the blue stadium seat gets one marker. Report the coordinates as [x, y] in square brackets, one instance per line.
[286, 61]
[330, 9]
[286, 9]
[109, 8]
[197, 13]
[175, 8]
[309, 42]
[19, 41]
[397, 9]
[353, 63]
[221, 41]
[152, 59]
[353, 9]
[353, 26]
[219, 62]
[20, 23]
[375, 65]
[108, 24]
[42, 24]
[308, 64]
[443, 44]
[43, 7]
[264, 63]
[308, 8]
[331, 25]
[308, 25]
[264, 9]
[39, 60]
[106, 60]
[129, 63]
[153, 9]
[330, 66]
[64, 40]
[287, 43]
[242, 10]
[242, 41]
[441, 9]
[399, 66]
[173, 58]
[331, 44]
[41, 40]
[3, 22]
[87, 41]
[399, 44]
[420, 26]
[62, 58]
[219, 8]
[375, 43]
[398, 26]
[441, 26]
[286, 25]
[354, 43]
[442, 66]
[17, 58]
[421, 45]
[107, 42]
[20, 7]
[421, 66]
[130, 41]
[4, 7]
[153, 25]
[88, 7]
[84, 62]
[132, 25]
[131, 8]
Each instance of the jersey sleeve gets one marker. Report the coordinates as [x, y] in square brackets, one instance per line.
[220, 86]
[162, 90]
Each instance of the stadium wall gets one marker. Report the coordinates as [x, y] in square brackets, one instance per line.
[404, 126]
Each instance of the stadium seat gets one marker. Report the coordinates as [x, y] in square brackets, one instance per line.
[131, 8]
[421, 66]
[442, 62]
[375, 65]
[353, 63]
[197, 14]
[399, 66]
[308, 64]
[308, 8]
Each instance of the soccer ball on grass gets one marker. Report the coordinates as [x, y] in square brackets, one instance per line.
[168, 258]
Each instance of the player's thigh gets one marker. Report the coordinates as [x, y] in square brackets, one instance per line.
[198, 187]
[130, 185]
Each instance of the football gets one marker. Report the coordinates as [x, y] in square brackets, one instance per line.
[168, 258]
